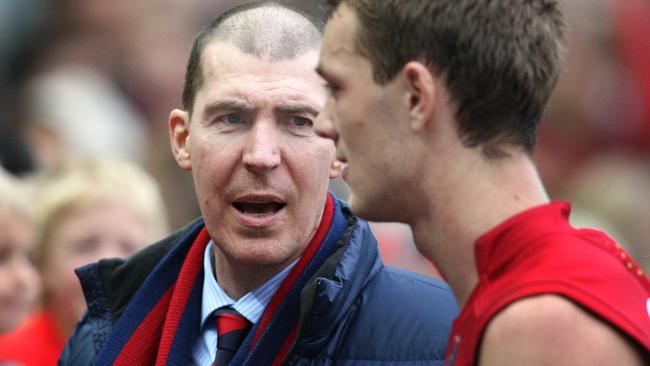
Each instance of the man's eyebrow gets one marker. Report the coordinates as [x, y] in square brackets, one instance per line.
[232, 105]
[297, 108]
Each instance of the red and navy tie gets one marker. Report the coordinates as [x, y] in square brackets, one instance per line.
[232, 329]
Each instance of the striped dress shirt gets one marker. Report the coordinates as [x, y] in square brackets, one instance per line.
[251, 306]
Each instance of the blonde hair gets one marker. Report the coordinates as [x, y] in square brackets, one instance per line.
[13, 196]
[90, 182]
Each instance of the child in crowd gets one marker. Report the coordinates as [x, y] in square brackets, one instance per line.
[93, 210]
[19, 283]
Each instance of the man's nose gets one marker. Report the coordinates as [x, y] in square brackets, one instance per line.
[324, 124]
[262, 152]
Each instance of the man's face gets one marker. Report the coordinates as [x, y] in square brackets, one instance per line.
[362, 118]
[260, 171]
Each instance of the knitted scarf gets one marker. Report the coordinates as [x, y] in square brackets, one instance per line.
[162, 322]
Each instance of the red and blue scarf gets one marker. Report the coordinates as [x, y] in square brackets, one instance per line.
[162, 321]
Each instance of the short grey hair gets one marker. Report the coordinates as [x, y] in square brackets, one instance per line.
[265, 29]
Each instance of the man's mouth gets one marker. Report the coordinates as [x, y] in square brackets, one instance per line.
[262, 208]
[259, 211]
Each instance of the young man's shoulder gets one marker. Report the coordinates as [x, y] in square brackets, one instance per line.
[550, 329]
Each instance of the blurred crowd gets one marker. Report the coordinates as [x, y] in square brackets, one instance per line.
[89, 210]
[594, 142]
[96, 80]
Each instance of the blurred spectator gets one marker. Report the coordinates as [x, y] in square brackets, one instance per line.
[15, 155]
[72, 101]
[19, 283]
[77, 112]
[602, 101]
[95, 209]
[21, 22]
[615, 188]
[594, 144]
[632, 19]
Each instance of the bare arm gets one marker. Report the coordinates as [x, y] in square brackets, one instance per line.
[551, 330]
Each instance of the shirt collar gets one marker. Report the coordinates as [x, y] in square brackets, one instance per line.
[501, 245]
[251, 305]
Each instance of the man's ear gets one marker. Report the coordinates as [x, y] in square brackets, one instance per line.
[420, 94]
[336, 168]
[179, 133]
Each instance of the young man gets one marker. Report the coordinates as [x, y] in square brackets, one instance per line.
[433, 107]
[274, 255]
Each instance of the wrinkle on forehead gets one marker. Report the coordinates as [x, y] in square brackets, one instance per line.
[257, 98]
[222, 58]
[229, 73]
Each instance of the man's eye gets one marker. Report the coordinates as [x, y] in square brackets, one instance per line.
[232, 118]
[302, 122]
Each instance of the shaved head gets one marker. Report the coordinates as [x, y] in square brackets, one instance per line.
[269, 30]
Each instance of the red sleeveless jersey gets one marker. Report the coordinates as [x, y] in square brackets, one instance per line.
[538, 252]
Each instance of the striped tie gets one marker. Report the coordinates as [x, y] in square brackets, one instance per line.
[232, 328]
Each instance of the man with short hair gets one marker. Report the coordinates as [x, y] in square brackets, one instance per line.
[277, 271]
[433, 107]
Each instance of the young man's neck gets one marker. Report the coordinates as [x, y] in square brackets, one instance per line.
[482, 195]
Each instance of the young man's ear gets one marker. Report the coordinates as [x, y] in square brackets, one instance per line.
[179, 133]
[421, 94]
